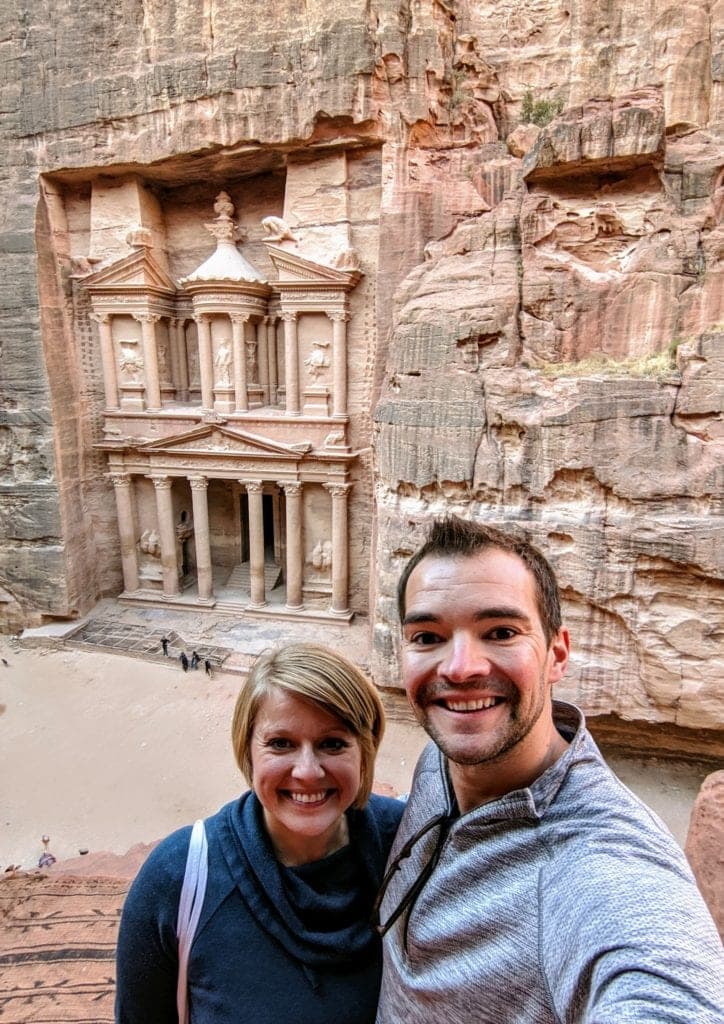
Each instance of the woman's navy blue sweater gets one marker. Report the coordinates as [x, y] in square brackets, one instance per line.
[274, 943]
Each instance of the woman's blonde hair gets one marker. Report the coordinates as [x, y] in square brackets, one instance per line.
[324, 677]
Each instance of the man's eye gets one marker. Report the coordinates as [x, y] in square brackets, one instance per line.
[423, 638]
[502, 633]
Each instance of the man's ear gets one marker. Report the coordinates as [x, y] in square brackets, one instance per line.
[558, 652]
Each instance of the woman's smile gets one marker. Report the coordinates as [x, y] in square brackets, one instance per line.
[306, 772]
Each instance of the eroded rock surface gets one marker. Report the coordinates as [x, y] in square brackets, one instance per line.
[705, 845]
[536, 195]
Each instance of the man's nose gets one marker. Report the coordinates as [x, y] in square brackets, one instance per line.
[464, 658]
[307, 766]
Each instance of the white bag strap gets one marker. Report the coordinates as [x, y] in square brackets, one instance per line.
[189, 911]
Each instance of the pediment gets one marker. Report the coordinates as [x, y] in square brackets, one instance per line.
[294, 269]
[137, 271]
[216, 439]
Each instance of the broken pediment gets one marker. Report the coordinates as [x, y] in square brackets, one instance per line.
[137, 272]
[296, 270]
[216, 439]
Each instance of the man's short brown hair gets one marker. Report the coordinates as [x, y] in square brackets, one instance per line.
[453, 537]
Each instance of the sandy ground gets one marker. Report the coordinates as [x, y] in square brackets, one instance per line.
[101, 751]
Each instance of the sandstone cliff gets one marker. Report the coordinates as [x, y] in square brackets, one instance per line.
[541, 186]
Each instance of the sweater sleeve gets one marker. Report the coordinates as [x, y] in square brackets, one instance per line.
[147, 954]
[624, 940]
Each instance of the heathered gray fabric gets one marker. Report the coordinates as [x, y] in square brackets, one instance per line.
[565, 902]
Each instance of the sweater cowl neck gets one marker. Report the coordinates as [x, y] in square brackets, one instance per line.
[319, 912]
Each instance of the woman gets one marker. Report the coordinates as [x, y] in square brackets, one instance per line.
[293, 866]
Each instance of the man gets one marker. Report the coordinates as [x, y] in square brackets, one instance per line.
[526, 885]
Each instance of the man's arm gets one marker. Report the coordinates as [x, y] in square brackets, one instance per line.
[627, 939]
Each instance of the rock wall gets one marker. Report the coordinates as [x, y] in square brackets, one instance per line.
[541, 187]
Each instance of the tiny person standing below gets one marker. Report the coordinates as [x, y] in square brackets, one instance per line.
[293, 865]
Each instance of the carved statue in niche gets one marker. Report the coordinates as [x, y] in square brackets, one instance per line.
[251, 360]
[150, 543]
[277, 230]
[321, 557]
[318, 358]
[222, 362]
[193, 365]
[162, 357]
[131, 362]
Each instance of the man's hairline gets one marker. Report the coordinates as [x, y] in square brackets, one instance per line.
[459, 556]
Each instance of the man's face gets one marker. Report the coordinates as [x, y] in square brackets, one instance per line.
[475, 661]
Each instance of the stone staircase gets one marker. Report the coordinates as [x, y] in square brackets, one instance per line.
[240, 578]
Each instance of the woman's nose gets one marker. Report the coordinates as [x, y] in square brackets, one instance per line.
[464, 658]
[307, 765]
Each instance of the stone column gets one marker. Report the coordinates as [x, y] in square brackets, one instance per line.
[241, 396]
[340, 547]
[291, 360]
[271, 348]
[294, 567]
[174, 349]
[183, 362]
[339, 364]
[256, 541]
[123, 486]
[206, 369]
[202, 541]
[108, 361]
[179, 368]
[150, 360]
[167, 535]
[263, 360]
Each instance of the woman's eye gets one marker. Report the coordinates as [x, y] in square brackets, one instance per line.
[334, 744]
[278, 743]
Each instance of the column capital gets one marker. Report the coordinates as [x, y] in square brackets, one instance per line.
[255, 486]
[198, 483]
[292, 488]
[146, 318]
[240, 318]
[101, 318]
[339, 316]
[120, 479]
[289, 318]
[338, 490]
[162, 483]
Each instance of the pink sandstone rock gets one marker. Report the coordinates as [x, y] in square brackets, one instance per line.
[705, 845]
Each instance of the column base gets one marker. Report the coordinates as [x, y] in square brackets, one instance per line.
[294, 607]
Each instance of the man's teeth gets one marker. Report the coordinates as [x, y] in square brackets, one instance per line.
[471, 705]
[308, 798]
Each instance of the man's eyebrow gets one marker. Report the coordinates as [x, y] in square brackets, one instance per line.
[497, 612]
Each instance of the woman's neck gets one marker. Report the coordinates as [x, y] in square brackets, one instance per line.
[293, 850]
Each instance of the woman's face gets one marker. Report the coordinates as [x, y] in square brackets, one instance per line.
[306, 770]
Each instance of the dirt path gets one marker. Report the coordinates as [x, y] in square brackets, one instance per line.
[101, 751]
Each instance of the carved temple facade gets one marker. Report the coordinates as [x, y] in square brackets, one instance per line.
[226, 425]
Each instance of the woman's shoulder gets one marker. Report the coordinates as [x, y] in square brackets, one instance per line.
[166, 863]
[386, 811]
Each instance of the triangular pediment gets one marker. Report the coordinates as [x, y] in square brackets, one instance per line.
[216, 439]
[294, 269]
[137, 271]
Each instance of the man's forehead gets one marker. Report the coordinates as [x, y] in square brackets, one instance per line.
[488, 565]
